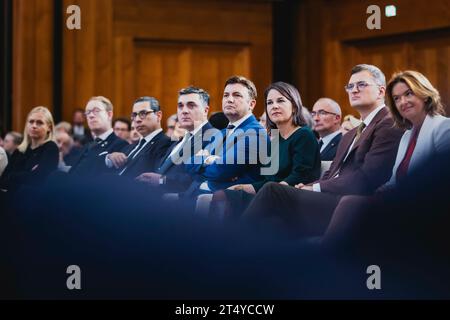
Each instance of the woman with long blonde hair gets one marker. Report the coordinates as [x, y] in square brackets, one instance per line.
[39, 154]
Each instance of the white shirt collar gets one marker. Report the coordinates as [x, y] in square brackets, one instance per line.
[372, 115]
[149, 137]
[327, 139]
[240, 121]
[105, 135]
[193, 132]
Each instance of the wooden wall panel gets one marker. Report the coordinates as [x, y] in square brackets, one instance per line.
[130, 48]
[88, 55]
[431, 55]
[245, 24]
[349, 17]
[32, 58]
[162, 69]
[334, 37]
[124, 75]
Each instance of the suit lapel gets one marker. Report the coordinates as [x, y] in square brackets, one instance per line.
[368, 131]
[346, 142]
[145, 151]
[107, 142]
[422, 143]
[230, 142]
[331, 145]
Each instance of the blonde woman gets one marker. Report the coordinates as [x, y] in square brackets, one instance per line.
[38, 154]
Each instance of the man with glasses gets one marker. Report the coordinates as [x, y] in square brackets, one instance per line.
[145, 154]
[363, 162]
[99, 113]
[122, 128]
[326, 114]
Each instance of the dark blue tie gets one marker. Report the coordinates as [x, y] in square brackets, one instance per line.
[168, 161]
[132, 153]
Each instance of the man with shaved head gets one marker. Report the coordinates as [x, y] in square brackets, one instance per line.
[326, 114]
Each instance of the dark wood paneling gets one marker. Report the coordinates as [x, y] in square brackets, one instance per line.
[32, 57]
[333, 37]
[88, 55]
[112, 53]
[163, 68]
[5, 65]
[349, 17]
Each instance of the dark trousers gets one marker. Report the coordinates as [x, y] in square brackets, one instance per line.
[299, 213]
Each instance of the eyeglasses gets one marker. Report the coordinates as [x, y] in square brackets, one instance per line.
[94, 111]
[142, 114]
[360, 85]
[321, 113]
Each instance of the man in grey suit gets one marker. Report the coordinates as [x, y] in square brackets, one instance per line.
[363, 162]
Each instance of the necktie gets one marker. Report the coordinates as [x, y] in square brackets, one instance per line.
[94, 143]
[402, 169]
[133, 154]
[320, 144]
[352, 146]
[176, 153]
[359, 131]
[183, 143]
[136, 150]
[228, 132]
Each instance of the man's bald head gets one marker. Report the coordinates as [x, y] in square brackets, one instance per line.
[327, 116]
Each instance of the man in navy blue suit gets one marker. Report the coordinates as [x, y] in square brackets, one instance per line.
[326, 114]
[234, 157]
[145, 154]
[99, 113]
[192, 113]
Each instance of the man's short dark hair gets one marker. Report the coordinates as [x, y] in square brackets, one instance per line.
[154, 103]
[204, 95]
[246, 83]
[124, 120]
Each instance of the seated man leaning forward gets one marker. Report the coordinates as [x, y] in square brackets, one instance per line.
[236, 154]
[192, 113]
[143, 155]
[363, 162]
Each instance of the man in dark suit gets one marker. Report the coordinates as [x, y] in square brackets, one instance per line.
[234, 156]
[363, 162]
[80, 133]
[192, 113]
[326, 114]
[145, 154]
[68, 151]
[99, 113]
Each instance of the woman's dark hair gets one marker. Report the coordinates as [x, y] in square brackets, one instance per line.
[291, 93]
